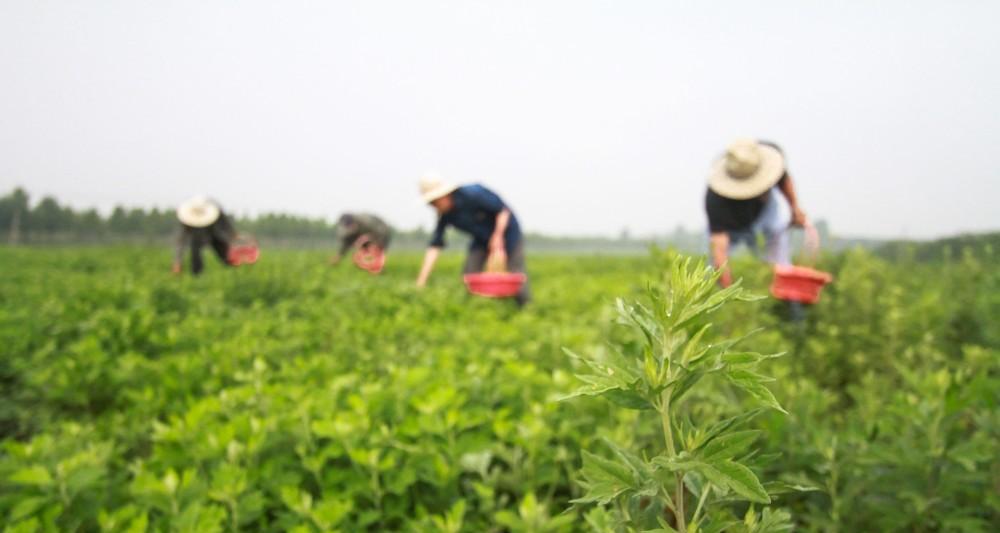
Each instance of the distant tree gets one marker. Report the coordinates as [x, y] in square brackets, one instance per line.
[90, 225]
[118, 224]
[14, 213]
[49, 217]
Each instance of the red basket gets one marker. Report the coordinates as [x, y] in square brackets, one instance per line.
[244, 251]
[372, 260]
[495, 284]
[798, 284]
[369, 256]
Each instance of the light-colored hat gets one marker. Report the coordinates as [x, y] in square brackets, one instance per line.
[433, 186]
[198, 212]
[747, 170]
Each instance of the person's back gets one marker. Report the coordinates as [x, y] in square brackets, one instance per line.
[745, 188]
[202, 223]
[361, 229]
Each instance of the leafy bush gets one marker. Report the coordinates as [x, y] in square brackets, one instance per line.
[290, 396]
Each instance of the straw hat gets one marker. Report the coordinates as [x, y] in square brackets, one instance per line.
[433, 186]
[198, 212]
[747, 170]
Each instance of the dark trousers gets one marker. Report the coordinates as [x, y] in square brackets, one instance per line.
[220, 246]
[476, 262]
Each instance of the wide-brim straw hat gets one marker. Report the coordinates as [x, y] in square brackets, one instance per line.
[747, 170]
[433, 186]
[198, 212]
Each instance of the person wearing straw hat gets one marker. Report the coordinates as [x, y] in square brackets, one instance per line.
[483, 215]
[203, 223]
[744, 200]
[363, 230]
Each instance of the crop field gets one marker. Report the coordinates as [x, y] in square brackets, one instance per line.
[295, 396]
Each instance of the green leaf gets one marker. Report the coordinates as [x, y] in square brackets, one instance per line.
[736, 477]
[605, 479]
[747, 358]
[330, 512]
[720, 427]
[728, 445]
[627, 399]
[27, 506]
[509, 520]
[751, 383]
[28, 526]
[693, 350]
[33, 475]
[684, 384]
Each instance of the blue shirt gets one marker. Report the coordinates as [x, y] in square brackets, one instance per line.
[475, 212]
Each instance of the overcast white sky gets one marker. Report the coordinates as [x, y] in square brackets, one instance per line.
[585, 116]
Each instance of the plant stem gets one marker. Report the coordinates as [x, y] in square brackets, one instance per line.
[668, 432]
[679, 498]
[705, 490]
[668, 437]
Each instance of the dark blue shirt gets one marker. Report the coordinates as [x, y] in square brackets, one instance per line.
[475, 212]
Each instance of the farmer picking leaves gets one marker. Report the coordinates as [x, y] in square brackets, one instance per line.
[203, 223]
[744, 200]
[366, 232]
[479, 212]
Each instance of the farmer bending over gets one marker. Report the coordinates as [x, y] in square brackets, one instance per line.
[744, 199]
[202, 223]
[477, 211]
[361, 230]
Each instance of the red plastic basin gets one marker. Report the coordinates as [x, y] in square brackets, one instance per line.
[495, 284]
[370, 258]
[798, 284]
[243, 255]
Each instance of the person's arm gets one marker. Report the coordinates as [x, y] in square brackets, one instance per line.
[719, 246]
[498, 251]
[345, 244]
[490, 202]
[788, 189]
[180, 243]
[430, 257]
[433, 250]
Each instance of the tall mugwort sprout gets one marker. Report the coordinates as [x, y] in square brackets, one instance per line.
[700, 468]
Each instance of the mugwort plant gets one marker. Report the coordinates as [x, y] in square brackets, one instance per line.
[695, 477]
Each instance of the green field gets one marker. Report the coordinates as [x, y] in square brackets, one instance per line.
[292, 396]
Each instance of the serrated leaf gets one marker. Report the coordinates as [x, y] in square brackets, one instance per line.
[605, 479]
[758, 391]
[691, 348]
[684, 384]
[735, 477]
[627, 399]
[728, 445]
[720, 427]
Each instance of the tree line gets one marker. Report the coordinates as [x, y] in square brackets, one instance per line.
[48, 221]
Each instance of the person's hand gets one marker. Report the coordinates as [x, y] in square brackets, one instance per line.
[726, 279]
[496, 243]
[175, 268]
[498, 253]
[798, 217]
[421, 283]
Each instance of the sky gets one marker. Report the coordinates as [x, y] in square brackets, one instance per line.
[587, 117]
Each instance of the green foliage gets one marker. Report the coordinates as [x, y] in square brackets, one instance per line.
[292, 396]
[673, 358]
